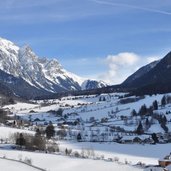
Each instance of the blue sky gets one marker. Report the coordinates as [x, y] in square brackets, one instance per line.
[102, 39]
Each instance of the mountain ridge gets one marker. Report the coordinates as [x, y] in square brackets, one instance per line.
[42, 74]
[155, 80]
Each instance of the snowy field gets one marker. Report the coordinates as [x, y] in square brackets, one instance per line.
[7, 165]
[87, 107]
[52, 162]
[7, 132]
[133, 153]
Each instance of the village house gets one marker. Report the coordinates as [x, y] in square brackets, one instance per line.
[166, 161]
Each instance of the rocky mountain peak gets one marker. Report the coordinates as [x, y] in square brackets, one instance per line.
[35, 73]
[8, 45]
[27, 54]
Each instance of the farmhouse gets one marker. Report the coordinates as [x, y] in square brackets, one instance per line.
[166, 161]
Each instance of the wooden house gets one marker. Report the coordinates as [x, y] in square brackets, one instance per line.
[166, 161]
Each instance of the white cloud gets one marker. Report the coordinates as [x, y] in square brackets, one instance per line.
[152, 58]
[123, 59]
[120, 66]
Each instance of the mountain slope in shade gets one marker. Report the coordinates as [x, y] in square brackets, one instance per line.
[31, 75]
[139, 73]
[155, 79]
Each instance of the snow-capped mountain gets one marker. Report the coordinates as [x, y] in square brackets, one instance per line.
[21, 66]
[93, 84]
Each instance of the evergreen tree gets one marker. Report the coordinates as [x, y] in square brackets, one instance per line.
[11, 101]
[38, 133]
[164, 119]
[147, 123]
[50, 132]
[163, 123]
[155, 138]
[20, 141]
[168, 99]
[150, 110]
[59, 112]
[139, 129]
[163, 101]
[155, 105]
[133, 113]
[79, 137]
[143, 110]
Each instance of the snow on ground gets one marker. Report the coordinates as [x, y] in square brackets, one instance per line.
[62, 163]
[99, 109]
[6, 132]
[148, 154]
[92, 106]
[148, 100]
[18, 107]
[134, 153]
[7, 165]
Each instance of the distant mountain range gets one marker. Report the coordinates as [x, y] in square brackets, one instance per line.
[24, 74]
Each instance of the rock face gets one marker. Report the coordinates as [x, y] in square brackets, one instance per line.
[27, 75]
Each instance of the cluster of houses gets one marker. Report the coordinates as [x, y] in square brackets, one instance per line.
[69, 125]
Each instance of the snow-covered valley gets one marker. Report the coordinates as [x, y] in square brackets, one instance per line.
[106, 126]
